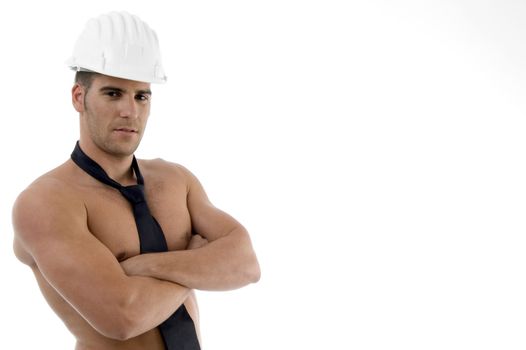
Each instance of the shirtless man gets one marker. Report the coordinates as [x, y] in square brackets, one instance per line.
[80, 238]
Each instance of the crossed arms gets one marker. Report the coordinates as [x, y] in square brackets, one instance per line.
[124, 300]
[223, 260]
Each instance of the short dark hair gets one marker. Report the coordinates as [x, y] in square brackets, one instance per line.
[85, 78]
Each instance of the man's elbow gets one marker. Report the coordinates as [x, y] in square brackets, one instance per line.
[256, 275]
[252, 271]
[250, 265]
[245, 272]
[123, 324]
[119, 328]
[120, 334]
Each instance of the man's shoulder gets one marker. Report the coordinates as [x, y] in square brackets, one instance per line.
[50, 200]
[58, 182]
[159, 167]
[56, 190]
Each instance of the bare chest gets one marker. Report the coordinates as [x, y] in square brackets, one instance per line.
[111, 220]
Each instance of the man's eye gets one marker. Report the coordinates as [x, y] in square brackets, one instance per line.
[113, 93]
[142, 97]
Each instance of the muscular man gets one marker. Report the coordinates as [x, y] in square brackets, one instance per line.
[79, 235]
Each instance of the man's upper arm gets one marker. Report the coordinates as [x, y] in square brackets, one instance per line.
[207, 220]
[230, 241]
[52, 228]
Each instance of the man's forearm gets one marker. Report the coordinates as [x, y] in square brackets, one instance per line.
[224, 264]
[148, 303]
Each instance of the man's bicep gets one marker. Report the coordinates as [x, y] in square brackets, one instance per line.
[78, 266]
[207, 220]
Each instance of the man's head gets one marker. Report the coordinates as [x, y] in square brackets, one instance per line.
[113, 112]
[116, 58]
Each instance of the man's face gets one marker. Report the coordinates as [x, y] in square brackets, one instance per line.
[114, 114]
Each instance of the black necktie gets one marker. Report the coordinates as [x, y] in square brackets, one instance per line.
[178, 331]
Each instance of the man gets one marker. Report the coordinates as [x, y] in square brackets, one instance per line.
[83, 238]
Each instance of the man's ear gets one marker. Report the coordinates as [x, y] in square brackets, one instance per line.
[78, 93]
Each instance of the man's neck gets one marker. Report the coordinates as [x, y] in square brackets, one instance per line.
[117, 167]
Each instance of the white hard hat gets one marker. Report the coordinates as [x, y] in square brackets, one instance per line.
[121, 45]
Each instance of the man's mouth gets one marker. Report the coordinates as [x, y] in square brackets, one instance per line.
[126, 130]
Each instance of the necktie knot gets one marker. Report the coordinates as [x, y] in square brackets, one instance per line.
[134, 194]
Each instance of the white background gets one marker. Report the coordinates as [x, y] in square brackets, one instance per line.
[374, 150]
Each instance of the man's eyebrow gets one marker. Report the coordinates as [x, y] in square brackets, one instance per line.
[112, 88]
[144, 92]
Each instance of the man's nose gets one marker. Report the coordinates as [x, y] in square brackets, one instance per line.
[128, 108]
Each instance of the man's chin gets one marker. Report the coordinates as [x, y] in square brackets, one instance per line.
[121, 150]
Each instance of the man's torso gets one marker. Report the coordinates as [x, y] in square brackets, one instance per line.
[111, 221]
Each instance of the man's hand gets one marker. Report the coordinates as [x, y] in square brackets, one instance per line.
[136, 265]
[197, 241]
